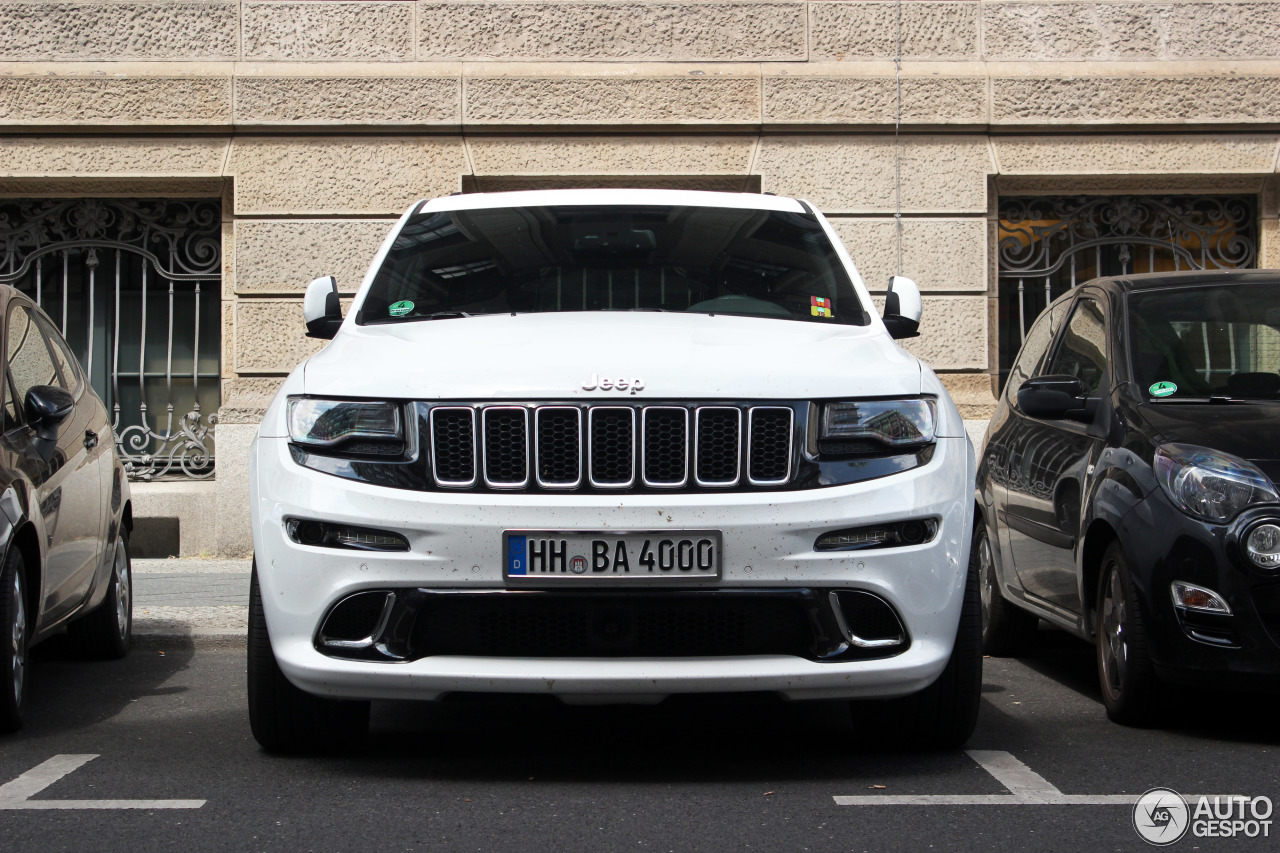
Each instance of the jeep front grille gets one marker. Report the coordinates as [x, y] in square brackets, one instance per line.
[610, 446]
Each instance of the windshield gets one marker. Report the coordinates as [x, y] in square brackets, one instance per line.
[1215, 340]
[707, 260]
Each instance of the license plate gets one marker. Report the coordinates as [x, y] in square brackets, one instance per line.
[578, 556]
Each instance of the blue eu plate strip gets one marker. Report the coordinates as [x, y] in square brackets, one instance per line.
[516, 563]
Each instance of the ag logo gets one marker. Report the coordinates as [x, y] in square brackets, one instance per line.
[1161, 816]
[578, 565]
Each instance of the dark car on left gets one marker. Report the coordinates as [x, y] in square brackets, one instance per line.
[64, 506]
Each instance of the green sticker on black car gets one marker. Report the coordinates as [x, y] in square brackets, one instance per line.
[399, 309]
[1162, 389]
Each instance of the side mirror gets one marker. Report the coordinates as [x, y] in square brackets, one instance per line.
[321, 309]
[902, 308]
[1056, 396]
[47, 406]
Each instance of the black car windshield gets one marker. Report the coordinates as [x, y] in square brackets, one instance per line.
[1204, 341]
[708, 260]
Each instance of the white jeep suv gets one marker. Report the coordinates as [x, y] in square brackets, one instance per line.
[611, 445]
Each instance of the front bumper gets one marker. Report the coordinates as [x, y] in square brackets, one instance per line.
[455, 544]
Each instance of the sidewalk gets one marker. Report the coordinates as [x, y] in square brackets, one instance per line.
[206, 601]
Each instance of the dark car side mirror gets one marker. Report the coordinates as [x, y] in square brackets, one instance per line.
[321, 309]
[1056, 396]
[46, 406]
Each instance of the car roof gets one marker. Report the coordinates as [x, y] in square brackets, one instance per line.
[1184, 278]
[678, 198]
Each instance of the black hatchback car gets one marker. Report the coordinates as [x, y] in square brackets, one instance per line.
[1128, 484]
[64, 506]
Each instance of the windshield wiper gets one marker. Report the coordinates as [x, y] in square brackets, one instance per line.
[443, 315]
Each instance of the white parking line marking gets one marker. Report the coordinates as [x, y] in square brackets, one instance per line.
[1026, 788]
[16, 794]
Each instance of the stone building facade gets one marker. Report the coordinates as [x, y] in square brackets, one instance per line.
[315, 123]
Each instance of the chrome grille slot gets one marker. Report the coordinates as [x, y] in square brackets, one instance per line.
[665, 449]
[506, 446]
[718, 451]
[611, 445]
[769, 445]
[453, 450]
[558, 446]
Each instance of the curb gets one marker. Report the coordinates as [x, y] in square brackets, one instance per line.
[170, 636]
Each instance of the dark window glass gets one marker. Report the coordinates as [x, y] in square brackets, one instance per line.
[29, 359]
[1221, 340]
[1082, 352]
[1039, 336]
[613, 258]
[62, 356]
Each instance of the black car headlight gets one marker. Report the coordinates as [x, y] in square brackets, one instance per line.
[877, 426]
[354, 426]
[1209, 484]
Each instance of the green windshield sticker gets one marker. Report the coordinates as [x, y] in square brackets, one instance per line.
[399, 309]
[1162, 389]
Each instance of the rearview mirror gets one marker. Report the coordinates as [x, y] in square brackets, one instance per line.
[47, 406]
[1056, 396]
[321, 309]
[902, 308]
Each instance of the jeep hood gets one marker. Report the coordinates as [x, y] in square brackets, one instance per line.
[553, 355]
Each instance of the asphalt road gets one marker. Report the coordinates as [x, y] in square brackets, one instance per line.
[727, 773]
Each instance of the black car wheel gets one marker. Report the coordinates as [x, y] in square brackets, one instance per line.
[283, 718]
[107, 631]
[13, 655]
[944, 714]
[1007, 630]
[1130, 690]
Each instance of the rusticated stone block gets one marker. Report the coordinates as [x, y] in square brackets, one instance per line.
[972, 394]
[617, 30]
[938, 254]
[848, 99]
[318, 29]
[1086, 155]
[612, 100]
[117, 158]
[1269, 244]
[1089, 184]
[342, 174]
[603, 155]
[270, 336]
[1129, 31]
[858, 174]
[348, 100]
[1128, 100]
[151, 30]
[115, 100]
[868, 30]
[953, 332]
[283, 256]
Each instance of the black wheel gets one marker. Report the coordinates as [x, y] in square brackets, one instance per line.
[16, 635]
[1007, 630]
[106, 632]
[944, 714]
[283, 718]
[1131, 691]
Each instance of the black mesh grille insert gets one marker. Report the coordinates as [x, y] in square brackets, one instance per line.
[609, 626]
[868, 616]
[611, 446]
[770, 444]
[505, 446]
[454, 453]
[355, 617]
[559, 454]
[718, 445]
[665, 445]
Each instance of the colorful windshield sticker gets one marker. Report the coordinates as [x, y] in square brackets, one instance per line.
[1162, 389]
[820, 307]
[399, 309]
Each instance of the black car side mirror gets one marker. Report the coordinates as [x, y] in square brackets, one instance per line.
[46, 406]
[1056, 396]
[321, 309]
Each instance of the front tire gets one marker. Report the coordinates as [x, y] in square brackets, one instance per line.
[1131, 692]
[283, 718]
[106, 633]
[1007, 630]
[14, 642]
[944, 714]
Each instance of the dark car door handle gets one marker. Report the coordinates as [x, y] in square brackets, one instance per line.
[90, 439]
